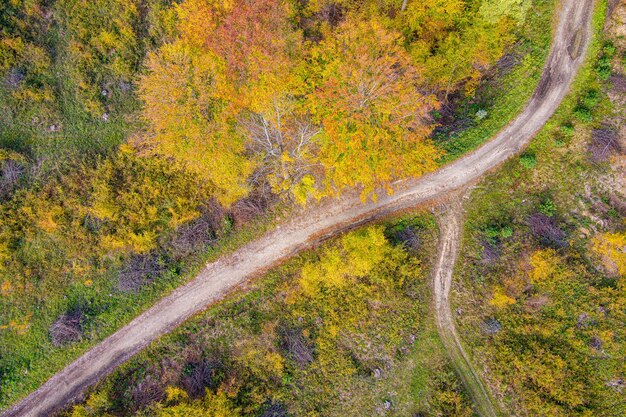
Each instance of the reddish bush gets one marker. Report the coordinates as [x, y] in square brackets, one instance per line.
[545, 229]
[604, 142]
[67, 328]
[198, 233]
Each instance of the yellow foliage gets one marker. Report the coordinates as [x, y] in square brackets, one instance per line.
[96, 405]
[611, 247]
[47, 222]
[544, 265]
[500, 299]
[175, 394]
[450, 48]
[102, 48]
[355, 256]
[375, 122]
[212, 405]
[20, 327]
[142, 197]
[185, 93]
[198, 18]
[6, 287]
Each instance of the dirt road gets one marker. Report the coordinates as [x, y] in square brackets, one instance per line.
[568, 47]
[450, 230]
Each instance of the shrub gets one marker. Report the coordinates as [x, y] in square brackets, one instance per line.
[198, 233]
[275, 410]
[296, 345]
[583, 114]
[567, 130]
[603, 143]
[544, 228]
[547, 207]
[490, 253]
[591, 99]
[139, 270]
[409, 238]
[145, 393]
[198, 376]
[528, 160]
[67, 328]
[253, 206]
[618, 83]
[10, 173]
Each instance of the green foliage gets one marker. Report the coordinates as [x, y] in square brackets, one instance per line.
[548, 207]
[568, 130]
[528, 160]
[603, 65]
[495, 233]
[583, 114]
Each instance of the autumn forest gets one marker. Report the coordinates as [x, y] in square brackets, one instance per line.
[141, 139]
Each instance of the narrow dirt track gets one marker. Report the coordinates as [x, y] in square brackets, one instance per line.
[568, 50]
[450, 230]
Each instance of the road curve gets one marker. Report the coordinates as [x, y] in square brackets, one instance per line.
[450, 228]
[568, 49]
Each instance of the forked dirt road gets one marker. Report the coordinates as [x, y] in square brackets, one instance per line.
[567, 53]
[450, 231]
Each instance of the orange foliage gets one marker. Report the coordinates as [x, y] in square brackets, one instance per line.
[369, 101]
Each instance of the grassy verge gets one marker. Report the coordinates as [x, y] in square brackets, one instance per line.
[500, 99]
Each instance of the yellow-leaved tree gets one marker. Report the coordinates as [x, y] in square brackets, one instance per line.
[370, 102]
[185, 95]
[221, 83]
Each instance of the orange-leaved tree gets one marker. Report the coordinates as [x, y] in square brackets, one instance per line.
[368, 97]
[208, 93]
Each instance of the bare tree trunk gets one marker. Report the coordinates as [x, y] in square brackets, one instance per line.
[404, 2]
